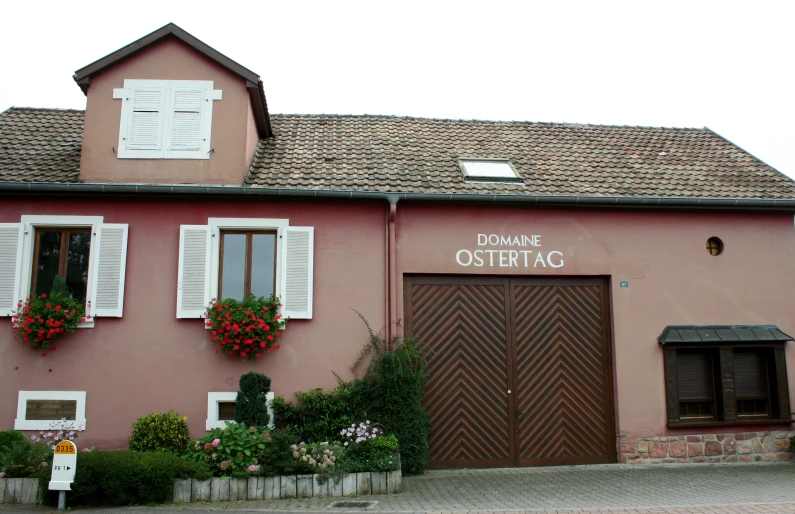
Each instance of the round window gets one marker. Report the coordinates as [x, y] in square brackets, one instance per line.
[714, 246]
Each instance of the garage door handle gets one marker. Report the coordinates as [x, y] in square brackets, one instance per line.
[516, 412]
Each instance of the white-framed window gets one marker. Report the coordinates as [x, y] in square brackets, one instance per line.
[237, 256]
[89, 253]
[42, 410]
[221, 408]
[166, 119]
[488, 170]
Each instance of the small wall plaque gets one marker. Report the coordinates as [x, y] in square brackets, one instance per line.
[624, 284]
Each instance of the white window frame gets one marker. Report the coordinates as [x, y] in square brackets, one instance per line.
[212, 408]
[218, 224]
[164, 152]
[29, 225]
[46, 424]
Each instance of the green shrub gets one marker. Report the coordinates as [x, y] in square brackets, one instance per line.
[21, 457]
[251, 406]
[11, 438]
[160, 433]
[123, 477]
[232, 450]
[391, 391]
[366, 448]
[381, 447]
[317, 415]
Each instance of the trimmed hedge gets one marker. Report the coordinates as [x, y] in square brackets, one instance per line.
[251, 407]
[123, 477]
[317, 415]
[160, 432]
[12, 438]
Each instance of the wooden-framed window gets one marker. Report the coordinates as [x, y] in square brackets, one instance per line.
[247, 264]
[226, 411]
[751, 382]
[88, 253]
[276, 258]
[695, 378]
[726, 384]
[61, 251]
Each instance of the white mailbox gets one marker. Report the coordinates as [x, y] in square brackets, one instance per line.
[64, 463]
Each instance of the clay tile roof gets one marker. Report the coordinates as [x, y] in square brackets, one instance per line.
[398, 154]
[40, 145]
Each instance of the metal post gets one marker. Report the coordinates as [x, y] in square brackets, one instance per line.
[61, 500]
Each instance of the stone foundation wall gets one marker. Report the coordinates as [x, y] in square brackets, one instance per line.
[711, 448]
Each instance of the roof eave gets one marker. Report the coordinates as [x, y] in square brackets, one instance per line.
[542, 201]
[83, 75]
[259, 105]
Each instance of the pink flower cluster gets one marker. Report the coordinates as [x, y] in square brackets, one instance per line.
[318, 455]
[359, 433]
[62, 430]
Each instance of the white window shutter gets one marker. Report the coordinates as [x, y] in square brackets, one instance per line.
[297, 274]
[145, 130]
[108, 288]
[186, 119]
[193, 281]
[10, 266]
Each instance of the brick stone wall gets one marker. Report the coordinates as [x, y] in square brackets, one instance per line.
[728, 447]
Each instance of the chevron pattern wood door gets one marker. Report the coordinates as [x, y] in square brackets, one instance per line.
[466, 396]
[563, 370]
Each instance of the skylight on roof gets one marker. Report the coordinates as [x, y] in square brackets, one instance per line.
[491, 170]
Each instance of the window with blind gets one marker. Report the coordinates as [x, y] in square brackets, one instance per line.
[166, 119]
[752, 390]
[696, 384]
[726, 384]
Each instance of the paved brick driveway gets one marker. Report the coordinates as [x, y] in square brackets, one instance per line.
[768, 487]
[651, 489]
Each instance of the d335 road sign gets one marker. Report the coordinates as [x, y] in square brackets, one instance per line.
[64, 463]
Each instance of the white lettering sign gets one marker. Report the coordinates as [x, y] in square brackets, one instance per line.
[509, 258]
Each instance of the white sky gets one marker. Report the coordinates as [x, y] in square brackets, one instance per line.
[724, 65]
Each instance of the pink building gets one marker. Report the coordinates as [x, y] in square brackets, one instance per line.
[591, 293]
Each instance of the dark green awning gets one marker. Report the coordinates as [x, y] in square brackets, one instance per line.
[677, 334]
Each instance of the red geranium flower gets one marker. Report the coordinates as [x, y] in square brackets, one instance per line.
[247, 324]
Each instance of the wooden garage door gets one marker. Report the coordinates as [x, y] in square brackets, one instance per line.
[519, 372]
[562, 408]
[466, 399]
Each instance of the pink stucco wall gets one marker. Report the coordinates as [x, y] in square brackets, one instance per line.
[149, 361]
[168, 60]
[672, 279]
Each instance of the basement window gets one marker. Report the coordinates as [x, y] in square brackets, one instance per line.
[47, 410]
[488, 170]
[221, 409]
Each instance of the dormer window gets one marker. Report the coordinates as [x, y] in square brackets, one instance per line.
[488, 170]
[166, 119]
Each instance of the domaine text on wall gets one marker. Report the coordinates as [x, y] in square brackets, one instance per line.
[522, 251]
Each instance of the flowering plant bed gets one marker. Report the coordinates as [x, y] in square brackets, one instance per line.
[41, 320]
[244, 451]
[246, 329]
